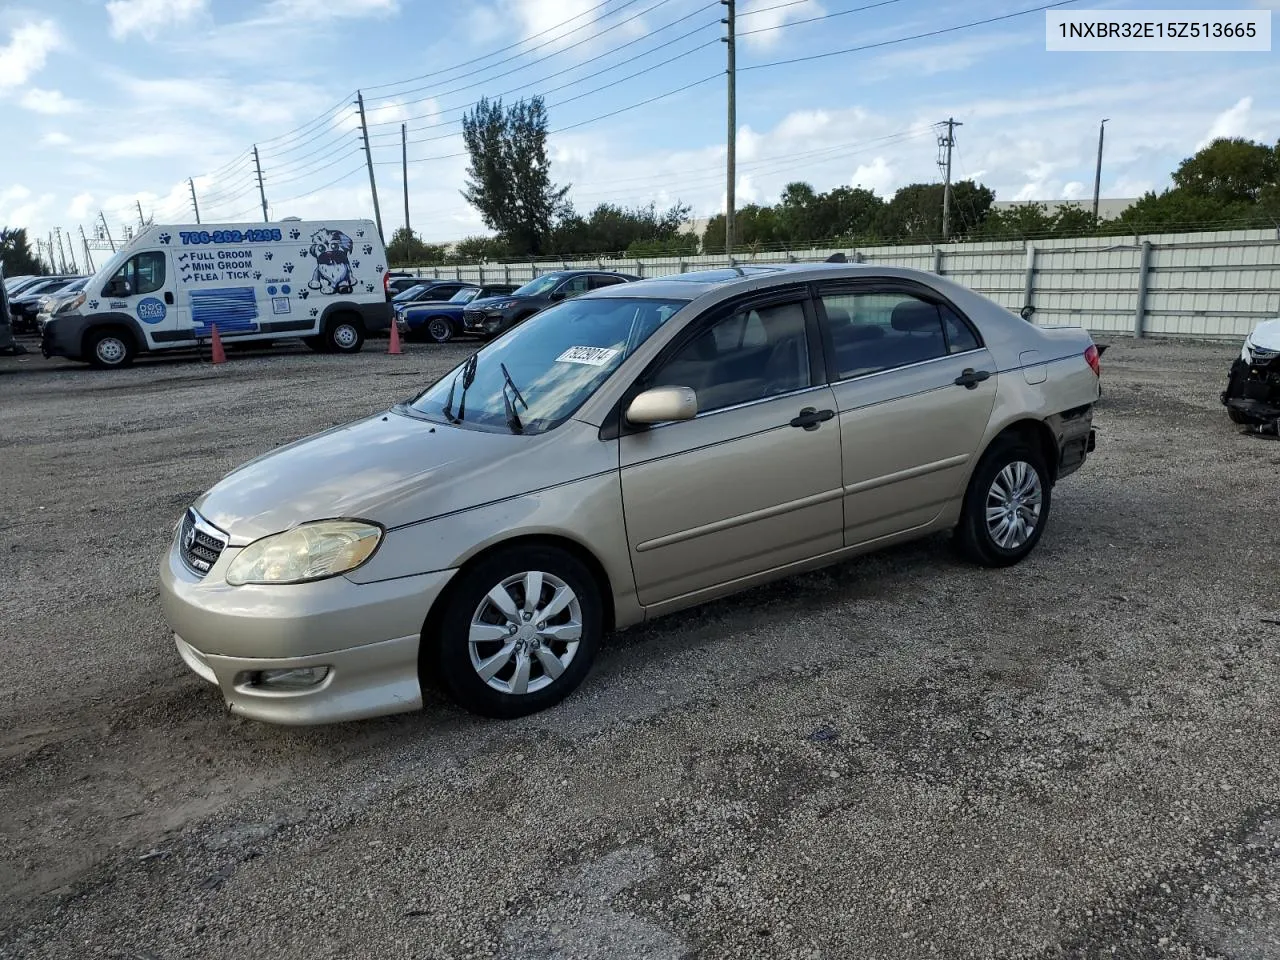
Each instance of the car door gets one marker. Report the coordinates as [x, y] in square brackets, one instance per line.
[914, 388]
[753, 482]
[143, 288]
[572, 287]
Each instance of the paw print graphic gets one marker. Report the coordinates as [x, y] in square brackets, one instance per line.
[257, 275]
[314, 311]
[367, 248]
[303, 253]
[368, 288]
[165, 238]
[93, 304]
[303, 294]
[268, 255]
[294, 234]
[287, 268]
[381, 268]
[355, 264]
[359, 233]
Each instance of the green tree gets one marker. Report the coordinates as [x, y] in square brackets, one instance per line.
[405, 249]
[1230, 170]
[509, 175]
[611, 228]
[755, 227]
[1019, 221]
[915, 212]
[477, 249]
[16, 254]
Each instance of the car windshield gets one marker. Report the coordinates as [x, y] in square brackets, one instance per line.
[535, 377]
[411, 293]
[465, 295]
[543, 284]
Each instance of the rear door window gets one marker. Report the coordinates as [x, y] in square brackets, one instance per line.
[874, 331]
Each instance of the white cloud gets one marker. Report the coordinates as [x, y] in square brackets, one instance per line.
[150, 17]
[80, 206]
[1233, 122]
[944, 57]
[50, 102]
[19, 207]
[877, 176]
[55, 138]
[765, 16]
[343, 9]
[25, 54]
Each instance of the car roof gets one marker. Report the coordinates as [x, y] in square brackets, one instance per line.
[692, 285]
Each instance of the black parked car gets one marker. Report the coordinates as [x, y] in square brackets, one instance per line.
[493, 315]
[24, 306]
[397, 282]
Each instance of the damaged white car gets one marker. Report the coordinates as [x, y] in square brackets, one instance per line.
[1253, 386]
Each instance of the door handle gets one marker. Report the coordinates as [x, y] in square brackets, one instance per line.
[811, 418]
[168, 297]
[971, 378]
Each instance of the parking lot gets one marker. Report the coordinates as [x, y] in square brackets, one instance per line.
[900, 756]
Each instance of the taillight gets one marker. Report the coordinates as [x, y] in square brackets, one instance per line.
[1092, 357]
[386, 282]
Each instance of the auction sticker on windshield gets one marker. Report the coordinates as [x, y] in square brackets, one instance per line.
[592, 356]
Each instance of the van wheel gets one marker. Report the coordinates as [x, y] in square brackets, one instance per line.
[110, 348]
[1006, 506]
[345, 334]
[317, 344]
[440, 329]
[519, 632]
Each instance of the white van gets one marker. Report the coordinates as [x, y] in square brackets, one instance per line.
[323, 281]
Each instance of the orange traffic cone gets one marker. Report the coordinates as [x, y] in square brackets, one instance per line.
[395, 337]
[219, 355]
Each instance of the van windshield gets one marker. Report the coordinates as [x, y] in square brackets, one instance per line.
[536, 376]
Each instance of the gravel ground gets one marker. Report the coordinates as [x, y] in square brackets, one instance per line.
[900, 756]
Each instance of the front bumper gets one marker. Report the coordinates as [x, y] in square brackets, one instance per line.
[366, 634]
[484, 323]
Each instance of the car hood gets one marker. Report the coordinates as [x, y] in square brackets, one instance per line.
[1266, 335]
[390, 468]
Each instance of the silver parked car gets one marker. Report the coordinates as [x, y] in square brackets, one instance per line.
[621, 455]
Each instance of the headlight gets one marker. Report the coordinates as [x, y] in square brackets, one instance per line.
[1245, 353]
[501, 305]
[310, 551]
[74, 304]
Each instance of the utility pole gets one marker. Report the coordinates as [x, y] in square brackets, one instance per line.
[88, 257]
[71, 254]
[107, 230]
[731, 174]
[1097, 174]
[368, 156]
[944, 160]
[262, 190]
[62, 254]
[404, 172]
[194, 204]
[142, 221]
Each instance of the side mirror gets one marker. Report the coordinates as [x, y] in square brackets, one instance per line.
[1026, 312]
[662, 405]
[558, 295]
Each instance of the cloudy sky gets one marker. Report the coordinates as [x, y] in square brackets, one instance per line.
[111, 102]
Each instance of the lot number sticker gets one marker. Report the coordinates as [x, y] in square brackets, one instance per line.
[591, 356]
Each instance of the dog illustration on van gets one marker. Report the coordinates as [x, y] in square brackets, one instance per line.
[332, 249]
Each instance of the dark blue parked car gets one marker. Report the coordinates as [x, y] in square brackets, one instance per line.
[442, 321]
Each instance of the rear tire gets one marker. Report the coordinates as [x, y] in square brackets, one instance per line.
[344, 334]
[543, 644]
[1006, 506]
[110, 348]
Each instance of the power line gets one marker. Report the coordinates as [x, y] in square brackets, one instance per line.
[825, 16]
[302, 176]
[549, 56]
[917, 36]
[311, 193]
[595, 90]
[494, 53]
[576, 66]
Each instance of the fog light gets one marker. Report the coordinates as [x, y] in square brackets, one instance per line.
[292, 678]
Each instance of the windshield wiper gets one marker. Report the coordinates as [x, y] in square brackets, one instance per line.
[468, 374]
[513, 419]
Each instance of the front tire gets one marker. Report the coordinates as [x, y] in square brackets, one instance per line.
[519, 632]
[110, 349]
[1006, 506]
[440, 330]
[317, 344]
[345, 334]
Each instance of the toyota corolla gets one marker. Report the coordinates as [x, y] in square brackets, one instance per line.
[622, 455]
